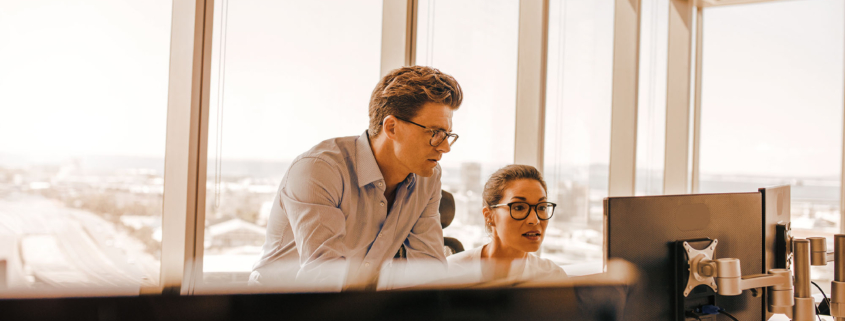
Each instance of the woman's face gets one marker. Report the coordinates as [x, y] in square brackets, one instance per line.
[525, 235]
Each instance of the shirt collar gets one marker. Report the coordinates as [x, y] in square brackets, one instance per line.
[365, 162]
[410, 180]
[367, 168]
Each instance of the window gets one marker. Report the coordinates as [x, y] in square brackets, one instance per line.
[651, 111]
[577, 138]
[771, 112]
[83, 103]
[476, 42]
[285, 76]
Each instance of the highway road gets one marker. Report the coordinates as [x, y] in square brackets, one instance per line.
[47, 244]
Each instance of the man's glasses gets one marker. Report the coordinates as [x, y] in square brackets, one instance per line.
[437, 135]
[520, 210]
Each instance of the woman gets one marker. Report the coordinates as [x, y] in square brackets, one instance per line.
[516, 214]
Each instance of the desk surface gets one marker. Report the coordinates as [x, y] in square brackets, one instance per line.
[478, 304]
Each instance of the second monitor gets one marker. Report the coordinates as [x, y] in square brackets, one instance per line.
[646, 231]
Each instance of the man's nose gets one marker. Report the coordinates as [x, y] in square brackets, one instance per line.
[444, 146]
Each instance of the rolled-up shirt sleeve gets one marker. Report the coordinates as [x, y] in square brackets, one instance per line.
[425, 242]
[311, 197]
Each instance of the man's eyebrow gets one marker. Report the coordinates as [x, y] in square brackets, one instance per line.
[438, 128]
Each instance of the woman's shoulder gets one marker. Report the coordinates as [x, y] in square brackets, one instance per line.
[544, 266]
[465, 256]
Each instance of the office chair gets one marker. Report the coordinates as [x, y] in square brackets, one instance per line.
[447, 214]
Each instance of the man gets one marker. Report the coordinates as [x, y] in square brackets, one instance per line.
[347, 205]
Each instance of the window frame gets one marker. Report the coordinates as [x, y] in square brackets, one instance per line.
[183, 213]
[183, 218]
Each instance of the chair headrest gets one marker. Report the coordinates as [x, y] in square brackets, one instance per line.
[447, 208]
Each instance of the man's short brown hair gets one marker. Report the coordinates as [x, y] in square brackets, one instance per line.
[405, 90]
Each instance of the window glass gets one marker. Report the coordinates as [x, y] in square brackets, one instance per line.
[651, 110]
[286, 75]
[577, 138]
[476, 42]
[771, 110]
[83, 107]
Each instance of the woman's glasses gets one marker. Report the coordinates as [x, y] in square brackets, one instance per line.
[520, 210]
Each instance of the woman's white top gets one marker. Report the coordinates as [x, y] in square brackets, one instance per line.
[467, 266]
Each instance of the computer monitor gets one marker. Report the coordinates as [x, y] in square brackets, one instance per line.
[647, 231]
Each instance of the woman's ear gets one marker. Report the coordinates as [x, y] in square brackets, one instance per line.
[489, 219]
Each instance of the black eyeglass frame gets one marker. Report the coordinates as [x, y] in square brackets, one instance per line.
[510, 209]
[434, 134]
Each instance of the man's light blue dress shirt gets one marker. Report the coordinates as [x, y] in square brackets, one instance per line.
[330, 211]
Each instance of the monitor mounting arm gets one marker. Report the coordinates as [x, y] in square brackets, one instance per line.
[724, 276]
[820, 257]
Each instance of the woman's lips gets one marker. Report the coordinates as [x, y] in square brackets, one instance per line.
[533, 235]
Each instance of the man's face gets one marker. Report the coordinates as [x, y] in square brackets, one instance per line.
[413, 147]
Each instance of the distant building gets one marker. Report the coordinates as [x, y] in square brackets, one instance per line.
[468, 209]
[471, 178]
[572, 199]
[264, 213]
[233, 233]
[138, 221]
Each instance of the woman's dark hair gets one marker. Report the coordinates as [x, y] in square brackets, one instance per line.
[494, 189]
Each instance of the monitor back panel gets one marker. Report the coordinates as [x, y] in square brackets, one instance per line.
[643, 230]
[776, 211]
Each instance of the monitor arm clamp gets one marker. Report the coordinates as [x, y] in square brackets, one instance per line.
[724, 275]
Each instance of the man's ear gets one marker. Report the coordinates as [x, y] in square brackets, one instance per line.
[389, 126]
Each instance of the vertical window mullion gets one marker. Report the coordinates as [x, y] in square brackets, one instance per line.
[184, 161]
[677, 96]
[696, 147]
[531, 82]
[623, 134]
[842, 181]
[398, 36]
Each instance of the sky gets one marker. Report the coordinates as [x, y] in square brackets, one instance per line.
[772, 97]
[476, 42]
[90, 78]
[84, 77]
[294, 73]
